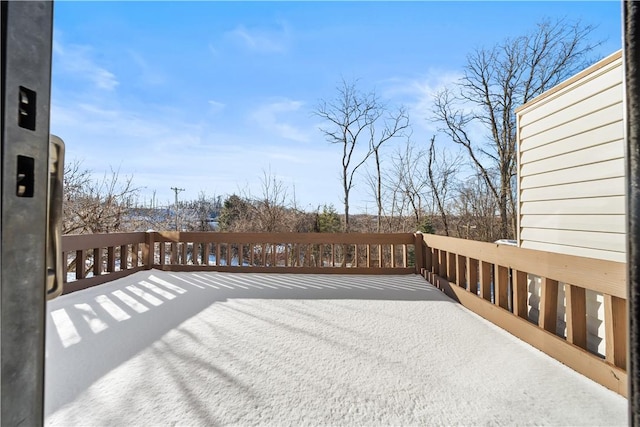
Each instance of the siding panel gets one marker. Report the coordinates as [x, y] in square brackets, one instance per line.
[604, 79]
[592, 137]
[591, 172]
[603, 117]
[599, 153]
[585, 239]
[578, 190]
[595, 206]
[572, 250]
[602, 223]
[595, 102]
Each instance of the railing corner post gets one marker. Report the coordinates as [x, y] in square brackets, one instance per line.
[150, 250]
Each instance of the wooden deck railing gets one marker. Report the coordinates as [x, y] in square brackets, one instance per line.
[100, 258]
[284, 252]
[93, 259]
[493, 280]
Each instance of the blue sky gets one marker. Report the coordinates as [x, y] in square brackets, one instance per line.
[208, 96]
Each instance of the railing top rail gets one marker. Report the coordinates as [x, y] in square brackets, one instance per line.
[608, 277]
[75, 242]
[312, 238]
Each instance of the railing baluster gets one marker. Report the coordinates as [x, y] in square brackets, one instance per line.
[207, 249]
[218, 254]
[501, 286]
[472, 275]
[380, 262]
[162, 252]
[174, 253]
[435, 261]
[274, 261]
[442, 263]
[520, 294]
[65, 267]
[404, 256]
[485, 280]
[548, 317]
[194, 253]
[124, 257]
[393, 256]
[229, 251]
[111, 259]
[451, 267]
[615, 322]
[356, 255]
[286, 255]
[80, 265]
[368, 255]
[97, 261]
[198, 251]
[333, 255]
[462, 271]
[135, 249]
[576, 315]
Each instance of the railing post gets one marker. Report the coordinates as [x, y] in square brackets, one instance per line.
[148, 250]
[419, 251]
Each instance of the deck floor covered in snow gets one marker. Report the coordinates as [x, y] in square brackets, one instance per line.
[161, 348]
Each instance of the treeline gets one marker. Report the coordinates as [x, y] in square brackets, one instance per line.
[110, 204]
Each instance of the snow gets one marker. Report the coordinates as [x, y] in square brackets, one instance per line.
[162, 348]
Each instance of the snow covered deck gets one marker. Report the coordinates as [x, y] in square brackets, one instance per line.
[211, 348]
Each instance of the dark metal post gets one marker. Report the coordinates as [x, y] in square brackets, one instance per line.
[25, 86]
[631, 38]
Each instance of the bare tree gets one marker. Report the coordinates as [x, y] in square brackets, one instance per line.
[271, 206]
[270, 211]
[197, 214]
[394, 126]
[442, 170]
[96, 206]
[409, 178]
[475, 208]
[496, 81]
[351, 118]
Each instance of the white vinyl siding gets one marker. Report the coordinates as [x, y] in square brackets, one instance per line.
[571, 169]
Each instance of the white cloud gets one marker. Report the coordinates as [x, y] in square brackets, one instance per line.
[268, 117]
[419, 94]
[149, 74]
[261, 40]
[216, 107]
[77, 61]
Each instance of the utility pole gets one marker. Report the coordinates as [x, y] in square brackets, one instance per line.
[176, 190]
